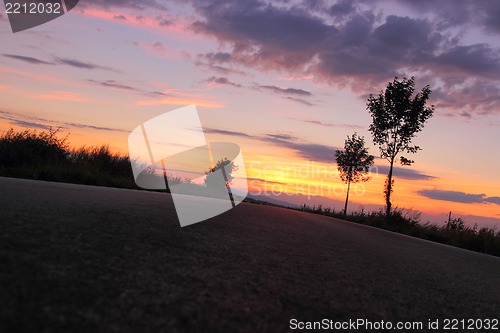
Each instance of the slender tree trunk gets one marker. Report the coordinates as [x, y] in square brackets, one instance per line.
[388, 190]
[347, 197]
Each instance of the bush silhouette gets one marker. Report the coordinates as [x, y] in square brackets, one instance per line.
[27, 148]
[46, 156]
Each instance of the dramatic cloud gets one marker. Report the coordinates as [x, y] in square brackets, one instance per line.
[461, 197]
[356, 48]
[450, 13]
[476, 96]
[360, 44]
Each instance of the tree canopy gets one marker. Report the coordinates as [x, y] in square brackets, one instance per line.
[353, 163]
[398, 115]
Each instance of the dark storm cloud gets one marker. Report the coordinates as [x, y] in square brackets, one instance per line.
[461, 197]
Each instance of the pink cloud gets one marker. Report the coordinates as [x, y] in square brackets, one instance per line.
[144, 21]
[60, 95]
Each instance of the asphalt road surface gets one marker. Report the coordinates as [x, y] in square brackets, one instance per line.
[79, 258]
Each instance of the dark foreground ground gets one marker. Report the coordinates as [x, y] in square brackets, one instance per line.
[79, 258]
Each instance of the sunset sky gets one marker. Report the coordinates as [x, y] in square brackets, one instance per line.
[286, 80]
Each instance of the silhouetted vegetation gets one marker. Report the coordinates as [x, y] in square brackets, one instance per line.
[227, 167]
[397, 117]
[353, 163]
[453, 232]
[46, 156]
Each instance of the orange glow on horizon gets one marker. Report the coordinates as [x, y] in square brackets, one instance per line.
[289, 175]
[293, 175]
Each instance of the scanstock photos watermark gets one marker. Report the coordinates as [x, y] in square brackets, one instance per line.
[210, 177]
[29, 14]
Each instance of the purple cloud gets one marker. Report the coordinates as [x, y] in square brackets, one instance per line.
[359, 44]
[461, 197]
[354, 48]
